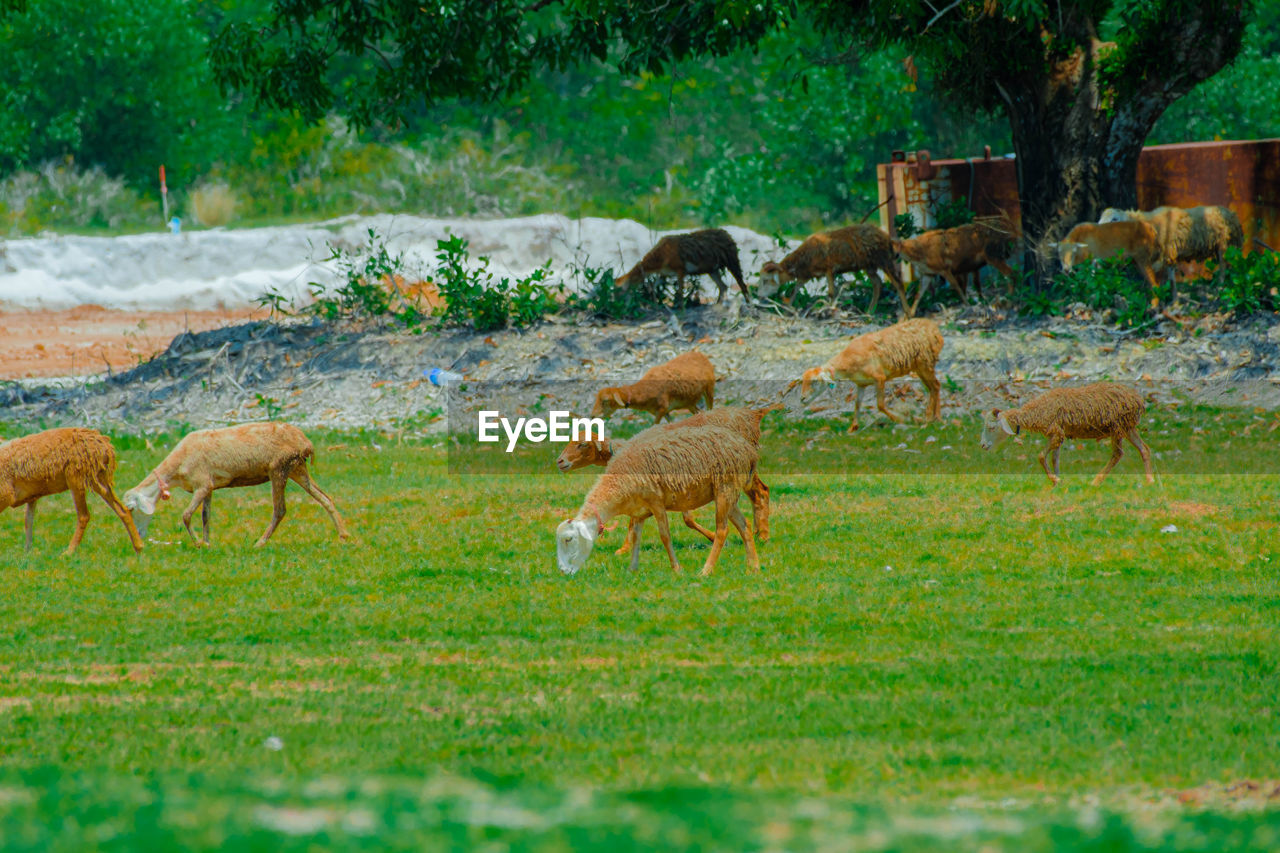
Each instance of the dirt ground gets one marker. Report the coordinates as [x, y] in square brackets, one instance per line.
[89, 338]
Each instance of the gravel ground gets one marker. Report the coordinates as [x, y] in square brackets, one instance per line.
[318, 375]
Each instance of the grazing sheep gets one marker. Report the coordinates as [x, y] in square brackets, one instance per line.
[1099, 410]
[911, 346]
[707, 251]
[959, 251]
[676, 384]
[744, 421]
[666, 471]
[245, 455]
[1184, 236]
[1133, 239]
[56, 461]
[858, 247]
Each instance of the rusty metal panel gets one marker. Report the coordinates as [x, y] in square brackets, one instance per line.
[1241, 175]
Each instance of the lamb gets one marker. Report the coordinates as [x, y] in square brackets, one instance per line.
[744, 421]
[676, 384]
[245, 455]
[858, 247]
[1098, 410]
[1134, 239]
[60, 460]
[675, 470]
[1184, 236]
[707, 251]
[959, 251]
[911, 346]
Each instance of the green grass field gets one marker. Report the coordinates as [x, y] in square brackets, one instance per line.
[930, 660]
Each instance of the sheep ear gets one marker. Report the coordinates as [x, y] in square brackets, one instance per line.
[616, 396]
[1004, 425]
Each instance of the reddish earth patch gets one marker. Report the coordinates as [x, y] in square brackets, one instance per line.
[89, 338]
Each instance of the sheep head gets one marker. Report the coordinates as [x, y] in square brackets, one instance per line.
[574, 540]
[579, 454]
[995, 428]
[814, 374]
[141, 500]
[608, 401]
[1070, 254]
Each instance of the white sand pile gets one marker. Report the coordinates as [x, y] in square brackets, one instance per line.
[200, 270]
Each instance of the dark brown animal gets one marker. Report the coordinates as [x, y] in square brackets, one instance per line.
[705, 252]
[858, 247]
[960, 251]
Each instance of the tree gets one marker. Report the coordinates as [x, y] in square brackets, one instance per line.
[114, 83]
[1081, 82]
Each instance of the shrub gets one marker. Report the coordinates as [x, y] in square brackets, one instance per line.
[602, 297]
[1111, 284]
[60, 195]
[1250, 283]
[478, 298]
[367, 291]
[213, 204]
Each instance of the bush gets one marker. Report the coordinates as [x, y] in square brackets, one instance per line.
[478, 298]
[602, 296]
[367, 292]
[213, 205]
[1250, 283]
[1112, 285]
[60, 195]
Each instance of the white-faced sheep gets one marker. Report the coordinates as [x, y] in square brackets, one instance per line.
[244, 455]
[676, 384]
[60, 460]
[667, 471]
[1135, 240]
[699, 252]
[1099, 410]
[858, 247]
[744, 421]
[911, 346]
[955, 253]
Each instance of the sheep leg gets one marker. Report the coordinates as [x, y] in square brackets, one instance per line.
[758, 492]
[108, 496]
[278, 482]
[931, 381]
[205, 509]
[1116, 452]
[710, 395]
[633, 533]
[1136, 441]
[664, 533]
[880, 402]
[922, 287]
[876, 286]
[753, 558]
[82, 515]
[1055, 442]
[957, 284]
[30, 524]
[721, 287]
[197, 498]
[691, 523]
[896, 281]
[633, 529]
[857, 408]
[722, 533]
[303, 478]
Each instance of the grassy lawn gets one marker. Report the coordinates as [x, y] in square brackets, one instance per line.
[933, 657]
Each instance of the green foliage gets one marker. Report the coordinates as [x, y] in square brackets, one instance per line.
[602, 297]
[904, 226]
[115, 83]
[1111, 285]
[474, 296]
[368, 288]
[60, 195]
[953, 214]
[1250, 283]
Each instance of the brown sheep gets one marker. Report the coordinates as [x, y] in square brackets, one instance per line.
[676, 384]
[245, 455]
[699, 252]
[744, 421]
[56, 461]
[1134, 239]
[1098, 410]
[911, 346]
[858, 247]
[961, 251]
[666, 471]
